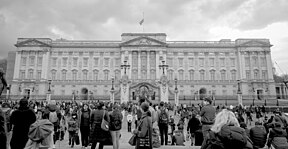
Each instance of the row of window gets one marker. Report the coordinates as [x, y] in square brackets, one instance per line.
[212, 75]
[212, 62]
[31, 61]
[255, 61]
[30, 74]
[256, 74]
[85, 62]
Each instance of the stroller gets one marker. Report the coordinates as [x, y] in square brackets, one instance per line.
[40, 135]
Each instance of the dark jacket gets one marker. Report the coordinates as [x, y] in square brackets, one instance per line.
[3, 137]
[85, 118]
[96, 133]
[53, 108]
[225, 139]
[193, 125]
[116, 118]
[278, 138]
[258, 135]
[144, 135]
[207, 114]
[21, 119]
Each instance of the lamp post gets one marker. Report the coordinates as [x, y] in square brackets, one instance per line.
[49, 90]
[176, 93]
[163, 66]
[253, 91]
[73, 96]
[125, 66]
[239, 93]
[112, 91]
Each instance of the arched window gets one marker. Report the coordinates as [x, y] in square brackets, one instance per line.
[134, 74]
[117, 75]
[202, 74]
[106, 74]
[233, 75]
[85, 74]
[53, 74]
[256, 74]
[95, 75]
[212, 75]
[74, 75]
[223, 74]
[191, 74]
[30, 73]
[181, 75]
[143, 74]
[152, 74]
[170, 75]
[64, 74]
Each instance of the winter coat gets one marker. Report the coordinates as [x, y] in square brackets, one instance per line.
[3, 137]
[73, 125]
[116, 118]
[193, 125]
[278, 138]
[144, 134]
[207, 114]
[96, 133]
[226, 140]
[258, 136]
[21, 119]
[85, 118]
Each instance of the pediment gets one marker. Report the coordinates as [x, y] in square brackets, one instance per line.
[255, 43]
[143, 41]
[32, 43]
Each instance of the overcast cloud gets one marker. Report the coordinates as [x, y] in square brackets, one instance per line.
[179, 19]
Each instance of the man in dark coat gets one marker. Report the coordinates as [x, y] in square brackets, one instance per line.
[258, 135]
[21, 120]
[3, 137]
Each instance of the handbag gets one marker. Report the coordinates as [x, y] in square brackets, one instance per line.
[132, 140]
[104, 123]
[76, 139]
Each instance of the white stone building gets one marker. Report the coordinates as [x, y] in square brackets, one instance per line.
[86, 68]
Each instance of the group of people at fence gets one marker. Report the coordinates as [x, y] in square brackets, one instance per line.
[33, 124]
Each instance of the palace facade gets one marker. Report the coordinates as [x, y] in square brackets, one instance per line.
[143, 65]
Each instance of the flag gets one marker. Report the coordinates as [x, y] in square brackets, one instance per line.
[141, 22]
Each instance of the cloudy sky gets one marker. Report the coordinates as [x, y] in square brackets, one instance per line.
[179, 19]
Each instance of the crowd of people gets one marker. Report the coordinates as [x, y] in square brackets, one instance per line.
[40, 124]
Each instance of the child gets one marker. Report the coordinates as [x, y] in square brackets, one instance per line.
[129, 120]
[73, 128]
[178, 138]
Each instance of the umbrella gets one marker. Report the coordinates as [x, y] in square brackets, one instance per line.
[40, 130]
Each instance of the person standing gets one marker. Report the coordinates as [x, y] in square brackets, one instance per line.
[85, 125]
[3, 137]
[21, 120]
[7, 113]
[129, 121]
[73, 129]
[207, 114]
[97, 134]
[116, 118]
[163, 119]
[144, 131]
[193, 125]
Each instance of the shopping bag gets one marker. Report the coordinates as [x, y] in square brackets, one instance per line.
[132, 140]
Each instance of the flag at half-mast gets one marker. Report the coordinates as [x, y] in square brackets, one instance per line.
[141, 22]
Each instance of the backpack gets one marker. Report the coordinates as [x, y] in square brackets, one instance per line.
[116, 121]
[53, 117]
[7, 117]
[213, 142]
[234, 136]
[163, 117]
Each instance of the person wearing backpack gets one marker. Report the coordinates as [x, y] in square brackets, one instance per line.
[226, 133]
[163, 121]
[116, 118]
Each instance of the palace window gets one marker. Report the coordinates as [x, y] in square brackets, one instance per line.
[256, 74]
[248, 76]
[95, 75]
[30, 74]
[117, 75]
[264, 74]
[74, 75]
[134, 74]
[222, 62]
[85, 75]
[247, 61]
[212, 62]
[202, 75]
[96, 62]
[85, 62]
[64, 74]
[181, 75]
[180, 62]
[32, 60]
[233, 62]
[143, 74]
[53, 74]
[54, 62]
[64, 64]
[153, 74]
[233, 75]
[170, 62]
[22, 74]
[106, 74]
[75, 62]
[191, 75]
[23, 61]
[191, 62]
[263, 61]
[223, 74]
[212, 75]
[201, 62]
[39, 75]
[106, 62]
[170, 75]
[39, 61]
[255, 61]
[117, 62]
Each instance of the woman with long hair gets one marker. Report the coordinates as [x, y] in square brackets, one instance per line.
[226, 133]
[116, 118]
[97, 134]
[85, 125]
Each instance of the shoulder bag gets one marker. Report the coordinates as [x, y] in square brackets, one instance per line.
[104, 123]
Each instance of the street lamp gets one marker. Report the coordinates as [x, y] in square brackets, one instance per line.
[163, 67]
[253, 90]
[176, 92]
[125, 66]
[49, 85]
[112, 88]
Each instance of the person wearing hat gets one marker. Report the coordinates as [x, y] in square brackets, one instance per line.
[207, 114]
[21, 119]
